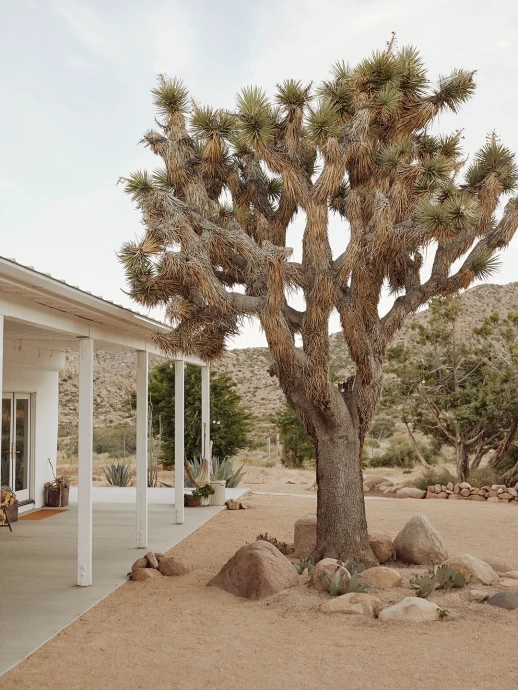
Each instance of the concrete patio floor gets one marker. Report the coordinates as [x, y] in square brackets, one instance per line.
[38, 563]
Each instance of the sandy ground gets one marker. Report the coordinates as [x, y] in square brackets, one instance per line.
[178, 633]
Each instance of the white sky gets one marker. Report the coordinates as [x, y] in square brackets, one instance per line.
[76, 77]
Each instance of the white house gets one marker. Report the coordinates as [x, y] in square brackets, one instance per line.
[40, 319]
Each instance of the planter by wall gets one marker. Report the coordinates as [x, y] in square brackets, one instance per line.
[57, 497]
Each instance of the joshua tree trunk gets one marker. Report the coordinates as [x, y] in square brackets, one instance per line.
[341, 519]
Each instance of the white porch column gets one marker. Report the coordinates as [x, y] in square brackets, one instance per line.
[84, 473]
[142, 442]
[205, 415]
[179, 378]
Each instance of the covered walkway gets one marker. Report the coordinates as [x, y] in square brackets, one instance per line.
[38, 563]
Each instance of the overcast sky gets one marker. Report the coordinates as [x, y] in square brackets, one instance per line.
[75, 84]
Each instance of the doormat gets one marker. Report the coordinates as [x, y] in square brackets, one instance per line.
[41, 514]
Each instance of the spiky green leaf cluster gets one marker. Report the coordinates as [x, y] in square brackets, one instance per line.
[207, 123]
[293, 94]
[493, 159]
[170, 96]
[257, 122]
[323, 123]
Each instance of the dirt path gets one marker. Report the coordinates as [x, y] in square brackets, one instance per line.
[177, 633]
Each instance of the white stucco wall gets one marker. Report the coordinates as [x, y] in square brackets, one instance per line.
[26, 372]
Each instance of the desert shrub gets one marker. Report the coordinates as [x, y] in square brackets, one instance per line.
[115, 440]
[434, 476]
[485, 476]
[298, 448]
[401, 453]
[117, 475]
[382, 427]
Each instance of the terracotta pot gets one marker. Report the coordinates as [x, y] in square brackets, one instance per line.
[191, 502]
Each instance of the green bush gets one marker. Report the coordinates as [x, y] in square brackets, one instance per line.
[434, 476]
[115, 440]
[401, 453]
[485, 476]
[382, 427]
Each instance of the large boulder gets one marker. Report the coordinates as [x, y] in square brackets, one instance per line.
[382, 577]
[256, 571]
[410, 492]
[504, 600]
[327, 567]
[353, 602]
[473, 568]
[499, 565]
[381, 545]
[374, 480]
[175, 565]
[305, 536]
[419, 543]
[411, 609]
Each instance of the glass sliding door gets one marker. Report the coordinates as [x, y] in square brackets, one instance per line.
[16, 443]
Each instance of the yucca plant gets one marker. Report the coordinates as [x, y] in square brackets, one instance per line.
[358, 146]
[117, 474]
[221, 470]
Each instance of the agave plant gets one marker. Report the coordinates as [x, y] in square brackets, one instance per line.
[337, 584]
[222, 470]
[117, 475]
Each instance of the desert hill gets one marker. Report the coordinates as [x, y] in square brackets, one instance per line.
[114, 373]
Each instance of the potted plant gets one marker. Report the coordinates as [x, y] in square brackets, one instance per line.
[57, 491]
[192, 500]
[205, 493]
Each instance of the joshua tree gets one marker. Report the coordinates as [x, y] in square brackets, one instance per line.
[360, 145]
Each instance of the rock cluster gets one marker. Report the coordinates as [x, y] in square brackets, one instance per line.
[155, 565]
[497, 493]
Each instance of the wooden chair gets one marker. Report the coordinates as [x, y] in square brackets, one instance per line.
[7, 521]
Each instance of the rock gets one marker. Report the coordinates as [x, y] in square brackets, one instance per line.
[175, 565]
[366, 488]
[465, 485]
[473, 568]
[513, 574]
[328, 567]
[290, 481]
[443, 495]
[411, 609]
[385, 485]
[465, 492]
[410, 492]
[256, 571]
[359, 603]
[159, 556]
[499, 565]
[456, 489]
[509, 583]
[140, 563]
[305, 536]
[513, 492]
[506, 495]
[437, 488]
[381, 545]
[476, 497]
[151, 559]
[492, 499]
[450, 486]
[478, 595]
[418, 542]
[431, 494]
[143, 574]
[382, 577]
[504, 600]
[453, 497]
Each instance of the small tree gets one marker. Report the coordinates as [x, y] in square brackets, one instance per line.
[458, 388]
[218, 213]
[297, 445]
[230, 421]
